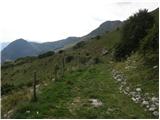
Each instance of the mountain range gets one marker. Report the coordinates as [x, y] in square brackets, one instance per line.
[22, 48]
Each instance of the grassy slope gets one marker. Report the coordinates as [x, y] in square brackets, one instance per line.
[69, 98]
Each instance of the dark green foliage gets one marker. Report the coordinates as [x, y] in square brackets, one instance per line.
[61, 51]
[134, 30]
[151, 41]
[7, 64]
[6, 88]
[96, 60]
[47, 54]
[79, 45]
[23, 60]
[68, 59]
[98, 37]
[34, 99]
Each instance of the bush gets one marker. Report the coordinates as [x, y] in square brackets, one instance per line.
[134, 30]
[61, 51]
[6, 88]
[23, 60]
[7, 64]
[79, 45]
[47, 54]
[68, 59]
[98, 37]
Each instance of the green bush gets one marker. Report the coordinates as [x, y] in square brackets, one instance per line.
[79, 45]
[7, 64]
[47, 54]
[68, 59]
[133, 30]
[6, 88]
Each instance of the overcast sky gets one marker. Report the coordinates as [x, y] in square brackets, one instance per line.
[51, 20]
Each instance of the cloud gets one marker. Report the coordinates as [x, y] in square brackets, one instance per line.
[51, 20]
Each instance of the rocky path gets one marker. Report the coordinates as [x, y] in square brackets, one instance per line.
[143, 99]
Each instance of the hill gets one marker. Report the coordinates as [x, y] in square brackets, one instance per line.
[86, 80]
[34, 49]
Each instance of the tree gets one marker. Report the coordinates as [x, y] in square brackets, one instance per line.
[133, 30]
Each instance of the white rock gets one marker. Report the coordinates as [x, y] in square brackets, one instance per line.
[154, 99]
[156, 113]
[28, 111]
[96, 103]
[124, 83]
[125, 92]
[147, 106]
[154, 67]
[152, 108]
[145, 103]
[138, 89]
[127, 89]
[37, 112]
[134, 99]
[132, 93]
[119, 80]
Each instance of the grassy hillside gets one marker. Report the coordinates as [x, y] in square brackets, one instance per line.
[89, 87]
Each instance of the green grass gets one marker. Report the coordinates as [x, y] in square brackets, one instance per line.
[57, 99]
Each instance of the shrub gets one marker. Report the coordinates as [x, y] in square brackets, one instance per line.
[47, 54]
[60, 51]
[134, 30]
[79, 45]
[7, 64]
[23, 60]
[6, 88]
[68, 59]
[98, 37]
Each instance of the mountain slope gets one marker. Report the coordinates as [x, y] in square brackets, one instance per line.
[3, 45]
[18, 48]
[10, 53]
[105, 27]
[94, 84]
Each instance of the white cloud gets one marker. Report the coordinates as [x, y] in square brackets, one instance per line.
[50, 20]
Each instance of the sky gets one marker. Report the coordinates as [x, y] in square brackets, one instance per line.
[52, 20]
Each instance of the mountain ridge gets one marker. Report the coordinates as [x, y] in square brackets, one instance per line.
[39, 48]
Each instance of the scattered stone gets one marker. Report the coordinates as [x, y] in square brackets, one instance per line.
[147, 106]
[154, 67]
[28, 111]
[152, 108]
[96, 103]
[104, 51]
[138, 89]
[156, 113]
[123, 83]
[132, 93]
[119, 80]
[37, 112]
[53, 79]
[110, 109]
[154, 99]
[127, 89]
[145, 103]
[134, 99]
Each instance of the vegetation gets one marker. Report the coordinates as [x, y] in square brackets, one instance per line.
[47, 54]
[68, 80]
[134, 30]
